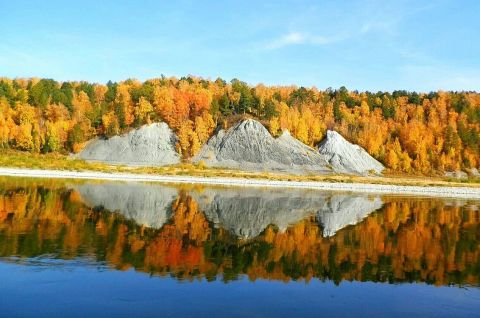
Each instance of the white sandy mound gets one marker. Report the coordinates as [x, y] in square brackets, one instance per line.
[345, 157]
[249, 146]
[288, 141]
[149, 145]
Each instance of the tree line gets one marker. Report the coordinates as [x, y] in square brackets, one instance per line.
[409, 132]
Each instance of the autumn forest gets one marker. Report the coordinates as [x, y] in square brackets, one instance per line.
[420, 133]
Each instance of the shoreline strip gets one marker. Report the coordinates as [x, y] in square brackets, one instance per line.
[433, 191]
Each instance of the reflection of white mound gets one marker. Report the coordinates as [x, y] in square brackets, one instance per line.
[148, 205]
[343, 210]
[247, 212]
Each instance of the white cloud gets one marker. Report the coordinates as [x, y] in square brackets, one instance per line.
[298, 38]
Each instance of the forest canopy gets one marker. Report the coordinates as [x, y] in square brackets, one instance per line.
[409, 132]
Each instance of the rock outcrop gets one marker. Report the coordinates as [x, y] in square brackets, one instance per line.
[348, 158]
[249, 146]
[149, 145]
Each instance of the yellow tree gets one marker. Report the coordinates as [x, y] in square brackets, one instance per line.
[81, 106]
[302, 131]
[26, 114]
[274, 126]
[124, 99]
[110, 124]
[164, 104]
[6, 122]
[23, 137]
[201, 130]
[143, 110]
[392, 159]
[184, 134]
[194, 144]
[53, 141]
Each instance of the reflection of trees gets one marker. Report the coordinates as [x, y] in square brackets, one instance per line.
[409, 240]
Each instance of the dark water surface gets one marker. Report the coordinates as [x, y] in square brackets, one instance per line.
[110, 249]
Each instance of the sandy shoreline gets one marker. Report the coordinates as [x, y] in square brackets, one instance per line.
[433, 191]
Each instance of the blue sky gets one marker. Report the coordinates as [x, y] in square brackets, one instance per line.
[364, 45]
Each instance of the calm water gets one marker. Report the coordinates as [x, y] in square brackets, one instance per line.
[111, 249]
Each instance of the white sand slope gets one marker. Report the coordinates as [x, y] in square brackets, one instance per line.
[149, 145]
[345, 157]
[249, 146]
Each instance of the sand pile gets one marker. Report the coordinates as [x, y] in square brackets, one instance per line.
[149, 145]
[345, 157]
[249, 146]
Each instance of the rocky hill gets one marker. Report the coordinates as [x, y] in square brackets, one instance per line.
[149, 145]
[249, 146]
[345, 157]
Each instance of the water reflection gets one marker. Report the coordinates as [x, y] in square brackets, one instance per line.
[248, 212]
[148, 205]
[226, 233]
